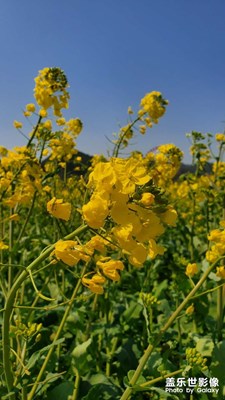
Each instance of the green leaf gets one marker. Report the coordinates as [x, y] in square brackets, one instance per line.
[81, 349]
[205, 346]
[103, 392]
[35, 356]
[61, 391]
[133, 311]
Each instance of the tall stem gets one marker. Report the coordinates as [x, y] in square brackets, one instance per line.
[169, 322]
[56, 337]
[9, 307]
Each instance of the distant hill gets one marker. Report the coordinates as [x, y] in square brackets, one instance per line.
[85, 163]
[190, 168]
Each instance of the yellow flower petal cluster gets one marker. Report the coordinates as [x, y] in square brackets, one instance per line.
[95, 212]
[51, 90]
[220, 272]
[3, 246]
[59, 209]
[220, 137]
[95, 283]
[191, 269]
[165, 164]
[110, 268]
[217, 250]
[62, 148]
[74, 127]
[70, 252]
[154, 105]
[17, 124]
[135, 227]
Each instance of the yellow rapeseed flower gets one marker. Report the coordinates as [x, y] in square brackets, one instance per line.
[95, 212]
[95, 284]
[58, 209]
[3, 246]
[220, 272]
[17, 124]
[70, 252]
[110, 267]
[191, 269]
[30, 107]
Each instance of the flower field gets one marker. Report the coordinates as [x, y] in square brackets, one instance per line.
[112, 274]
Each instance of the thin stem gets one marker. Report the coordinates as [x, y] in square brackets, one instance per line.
[169, 322]
[27, 218]
[76, 384]
[34, 132]
[9, 308]
[220, 312]
[56, 337]
[117, 146]
[160, 378]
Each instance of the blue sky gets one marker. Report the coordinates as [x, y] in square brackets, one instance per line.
[113, 53]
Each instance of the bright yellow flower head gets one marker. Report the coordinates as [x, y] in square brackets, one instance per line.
[74, 126]
[95, 212]
[70, 252]
[220, 272]
[51, 90]
[30, 107]
[17, 125]
[153, 104]
[110, 267]
[3, 246]
[58, 209]
[95, 284]
[191, 269]
[147, 199]
[220, 137]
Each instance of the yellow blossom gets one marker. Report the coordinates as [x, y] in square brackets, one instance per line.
[95, 212]
[147, 199]
[3, 246]
[95, 284]
[155, 249]
[220, 272]
[70, 252]
[109, 267]
[220, 137]
[169, 217]
[48, 124]
[43, 113]
[61, 121]
[58, 209]
[30, 107]
[191, 269]
[190, 309]
[154, 105]
[17, 125]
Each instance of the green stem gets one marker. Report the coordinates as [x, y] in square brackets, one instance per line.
[160, 378]
[9, 307]
[27, 218]
[76, 384]
[117, 146]
[220, 312]
[167, 325]
[10, 271]
[56, 337]
[34, 132]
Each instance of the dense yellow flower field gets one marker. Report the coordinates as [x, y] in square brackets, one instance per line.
[112, 275]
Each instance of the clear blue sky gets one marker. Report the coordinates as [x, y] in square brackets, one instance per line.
[114, 52]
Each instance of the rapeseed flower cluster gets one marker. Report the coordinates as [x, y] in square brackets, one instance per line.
[217, 250]
[51, 90]
[131, 222]
[153, 104]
